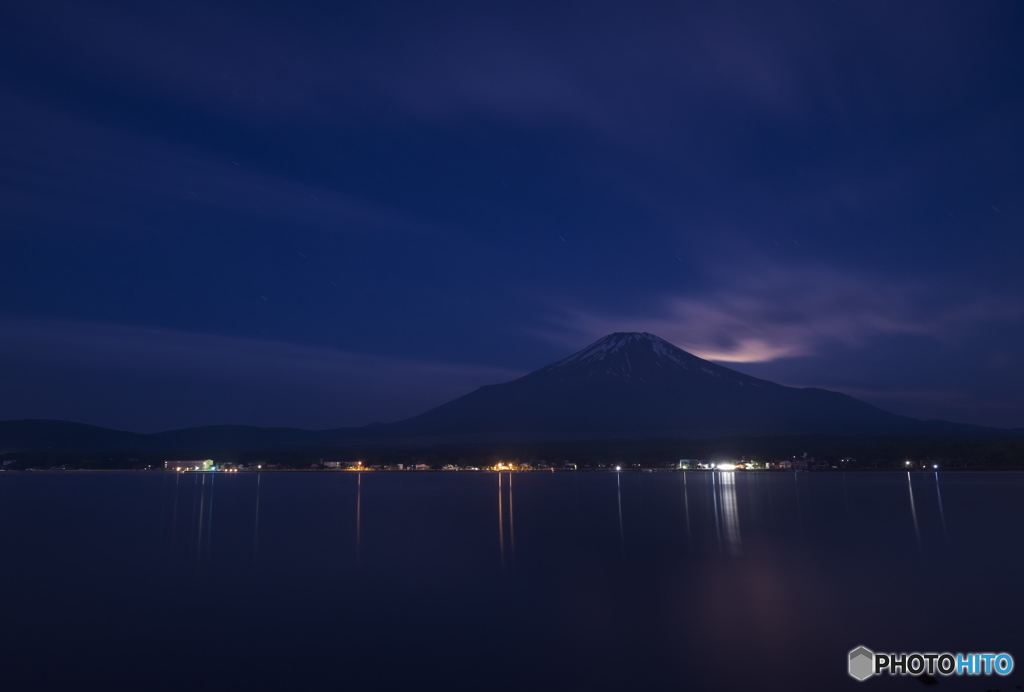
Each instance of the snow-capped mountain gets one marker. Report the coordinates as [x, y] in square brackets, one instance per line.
[639, 356]
[636, 384]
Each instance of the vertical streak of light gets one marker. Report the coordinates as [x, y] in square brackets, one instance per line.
[192, 526]
[942, 512]
[209, 518]
[846, 501]
[359, 516]
[714, 497]
[799, 510]
[577, 521]
[730, 512]
[174, 513]
[256, 521]
[501, 526]
[913, 511]
[622, 532]
[686, 506]
[163, 507]
[199, 532]
[511, 520]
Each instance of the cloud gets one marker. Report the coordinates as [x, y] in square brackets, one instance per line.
[154, 379]
[65, 169]
[625, 75]
[762, 312]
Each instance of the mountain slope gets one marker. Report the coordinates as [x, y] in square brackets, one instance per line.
[626, 385]
[61, 436]
[638, 384]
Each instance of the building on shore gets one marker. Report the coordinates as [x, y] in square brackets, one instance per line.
[346, 465]
[189, 465]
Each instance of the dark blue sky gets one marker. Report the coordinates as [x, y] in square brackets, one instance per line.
[326, 214]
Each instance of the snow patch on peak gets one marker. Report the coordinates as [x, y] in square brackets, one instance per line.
[631, 355]
[666, 354]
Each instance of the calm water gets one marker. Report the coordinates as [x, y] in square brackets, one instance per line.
[479, 581]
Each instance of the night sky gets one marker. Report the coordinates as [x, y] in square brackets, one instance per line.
[328, 214]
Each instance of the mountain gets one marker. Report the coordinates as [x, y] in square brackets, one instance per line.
[626, 386]
[61, 435]
[632, 384]
[65, 436]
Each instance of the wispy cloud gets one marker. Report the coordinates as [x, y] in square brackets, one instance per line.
[626, 75]
[766, 312]
[65, 169]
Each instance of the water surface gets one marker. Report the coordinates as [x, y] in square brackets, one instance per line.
[492, 582]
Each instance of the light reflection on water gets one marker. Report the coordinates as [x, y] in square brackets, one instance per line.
[730, 513]
[256, 521]
[686, 506]
[359, 516]
[501, 523]
[618, 495]
[913, 510]
[942, 512]
[653, 587]
[511, 519]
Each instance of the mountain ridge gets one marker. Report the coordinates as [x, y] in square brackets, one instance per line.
[636, 382]
[625, 385]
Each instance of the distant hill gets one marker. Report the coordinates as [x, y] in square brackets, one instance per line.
[56, 435]
[60, 435]
[624, 386]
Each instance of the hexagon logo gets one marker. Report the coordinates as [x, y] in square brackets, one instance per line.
[862, 663]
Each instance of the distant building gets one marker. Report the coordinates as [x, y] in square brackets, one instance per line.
[351, 465]
[189, 465]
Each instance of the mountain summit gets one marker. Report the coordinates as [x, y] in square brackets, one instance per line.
[632, 384]
[640, 357]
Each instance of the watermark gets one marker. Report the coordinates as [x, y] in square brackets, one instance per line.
[864, 663]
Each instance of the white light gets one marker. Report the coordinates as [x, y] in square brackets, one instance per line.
[618, 468]
[727, 467]
[935, 466]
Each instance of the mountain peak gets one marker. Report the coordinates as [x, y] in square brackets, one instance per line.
[619, 352]
[629, 337]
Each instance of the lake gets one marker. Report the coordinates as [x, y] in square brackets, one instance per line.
[484, 581]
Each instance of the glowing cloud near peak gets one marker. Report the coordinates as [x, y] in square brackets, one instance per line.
[744, 351]
[785, 312]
